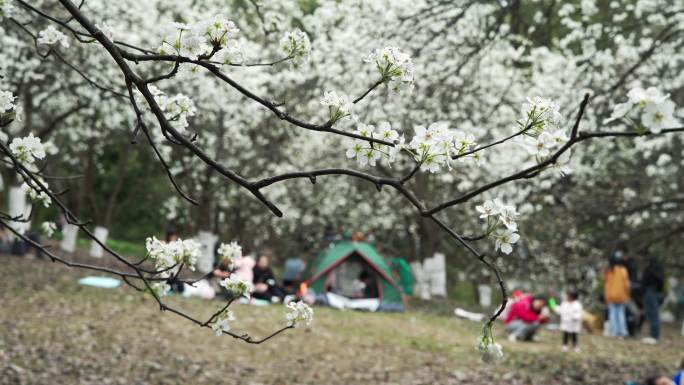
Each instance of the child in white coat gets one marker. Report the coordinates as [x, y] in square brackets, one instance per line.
[570, 311]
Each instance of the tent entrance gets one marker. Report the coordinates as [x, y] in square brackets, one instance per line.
[354, 277]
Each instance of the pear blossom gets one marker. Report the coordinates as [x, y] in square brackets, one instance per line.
[222, 321]
[432, 146]
[27, 149]
[339, 105]
[488, 209]
[160, 288]
[217, 30]
[177, 109]
[385, 132]
[541, 113]
[658, 116]
[51, 36]
[236, 286]
[299, 312]
[35, 195]
[231, 252]
[395, 67]
[490, 351]
[504, 240]
[367, 154]
[192, 46]
[542, 144]
[296, 46]
[204, 37]
[48, 228]
[232, 53]
[6, 101]
[169, 256]
[508, 215]
[646, 109]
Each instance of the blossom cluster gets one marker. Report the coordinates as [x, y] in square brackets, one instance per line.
[296, 46]
[236, 286]
[541, 123]
[168, 257]
[646, 110]
[7, 109]
[177, 108]
[299, 312]
[367, 154]
[6, 101]
[222, 322]
[339, 105]
[501, 224]
[27, 149]
[48, 228]
[434, 146]
[205, 38]
[51, 36]
[394, 66]
[490, 351]
[36, 194]
[230, 252]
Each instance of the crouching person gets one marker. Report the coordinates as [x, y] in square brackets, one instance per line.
[525, 317]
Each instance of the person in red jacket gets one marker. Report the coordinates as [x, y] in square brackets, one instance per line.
[524, 318]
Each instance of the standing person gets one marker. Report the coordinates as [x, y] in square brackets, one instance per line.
[570, 311]
[653, 284]
[616, 296]
[525, 317]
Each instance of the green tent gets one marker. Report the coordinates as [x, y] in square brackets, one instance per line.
[341, 264]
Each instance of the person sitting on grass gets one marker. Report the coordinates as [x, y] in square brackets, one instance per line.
[525, 317]
[265, 286]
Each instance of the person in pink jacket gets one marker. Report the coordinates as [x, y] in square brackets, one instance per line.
[524, 318]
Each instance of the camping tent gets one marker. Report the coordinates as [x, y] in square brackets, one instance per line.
[337, 269]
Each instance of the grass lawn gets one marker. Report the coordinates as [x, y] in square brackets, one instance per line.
[53, 331]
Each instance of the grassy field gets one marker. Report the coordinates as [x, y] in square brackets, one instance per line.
[53, 331]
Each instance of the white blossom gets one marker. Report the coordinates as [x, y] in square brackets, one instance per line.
[339, 105]
[51, 36]
[395, 67]
[541, 113]
[299, 312]
[296, 46]
[488, 209]
[658, 116]
[236, 286]
[504, 240]
[6, 101]
[230, 252]
[160, 288]
[490, 352]
[168, 257]
[35, 195]
[646, 109]
[27, 149]
[48, 228]
[222, 321]
[177, 109]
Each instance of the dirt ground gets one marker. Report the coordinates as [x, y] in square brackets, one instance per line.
[53, 331]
